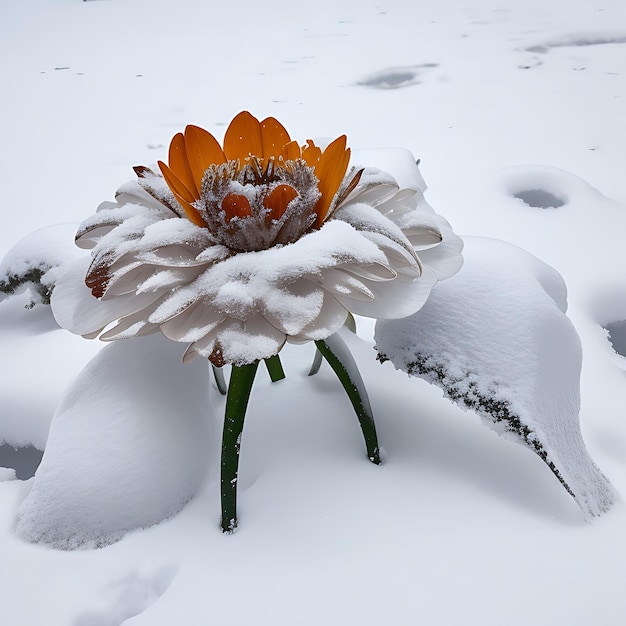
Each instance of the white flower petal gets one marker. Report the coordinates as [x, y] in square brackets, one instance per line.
[393, 299]
[374, 188]
[445, 259]
[195, 322]
[204, 346]
[162, 280]
[132, 193]
[401, 259]
[404, 201]
[331, 317]
[109, 217]
[135, 325]
[293, 307]
[125, 278]
[175, 255]
[345, 284]
[255, 339]
[213, 253]
[370, 272]
[366, 219]
[75, 308]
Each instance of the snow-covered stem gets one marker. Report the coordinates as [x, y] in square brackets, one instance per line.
[339, 357]
[275, 368]
[241, 380]
[11, 284]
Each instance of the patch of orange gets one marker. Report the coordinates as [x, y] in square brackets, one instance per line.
[191, 153]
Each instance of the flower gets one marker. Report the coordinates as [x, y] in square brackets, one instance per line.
[237, 249]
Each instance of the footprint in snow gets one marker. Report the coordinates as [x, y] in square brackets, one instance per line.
[397, 77]
[578, 41]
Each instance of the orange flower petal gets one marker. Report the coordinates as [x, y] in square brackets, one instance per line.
[236, 205]
[182, 194]
[277, 200]
[311, 154]
[291, 151]
[274, 137]
[179, 164]
[202, 150]
[192, 153]
[243, 138]
[330, 172]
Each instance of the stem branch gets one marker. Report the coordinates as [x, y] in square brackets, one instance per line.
[241, 379]
[339, 357]
[275, 368]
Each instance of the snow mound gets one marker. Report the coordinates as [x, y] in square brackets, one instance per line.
[496, 339]
[26, 264]
[127, 447]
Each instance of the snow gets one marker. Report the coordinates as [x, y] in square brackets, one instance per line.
[7, 473]
[496, 339]
[457, 525]
[42, 250]
[109, 468]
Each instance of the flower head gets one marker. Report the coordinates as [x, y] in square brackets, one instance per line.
[237, 249]
[261, 189]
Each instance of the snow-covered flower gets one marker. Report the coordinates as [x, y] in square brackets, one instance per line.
[237, 249]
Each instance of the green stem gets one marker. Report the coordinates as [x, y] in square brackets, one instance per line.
[275, 368]
[220, 381]
[241, 379]
[317, 363]
[336, 352]
[350, 324]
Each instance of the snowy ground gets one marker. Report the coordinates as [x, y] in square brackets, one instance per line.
[458, 525]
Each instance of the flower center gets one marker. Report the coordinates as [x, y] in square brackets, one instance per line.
[258, 206]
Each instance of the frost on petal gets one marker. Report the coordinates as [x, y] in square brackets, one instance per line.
[110, 216]
[252, 340]
[496, 340]
[172, 233]
[268, 281]
[330, 319]
[154, 195]
[293, 306]
[161, 280]
[123, 452]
